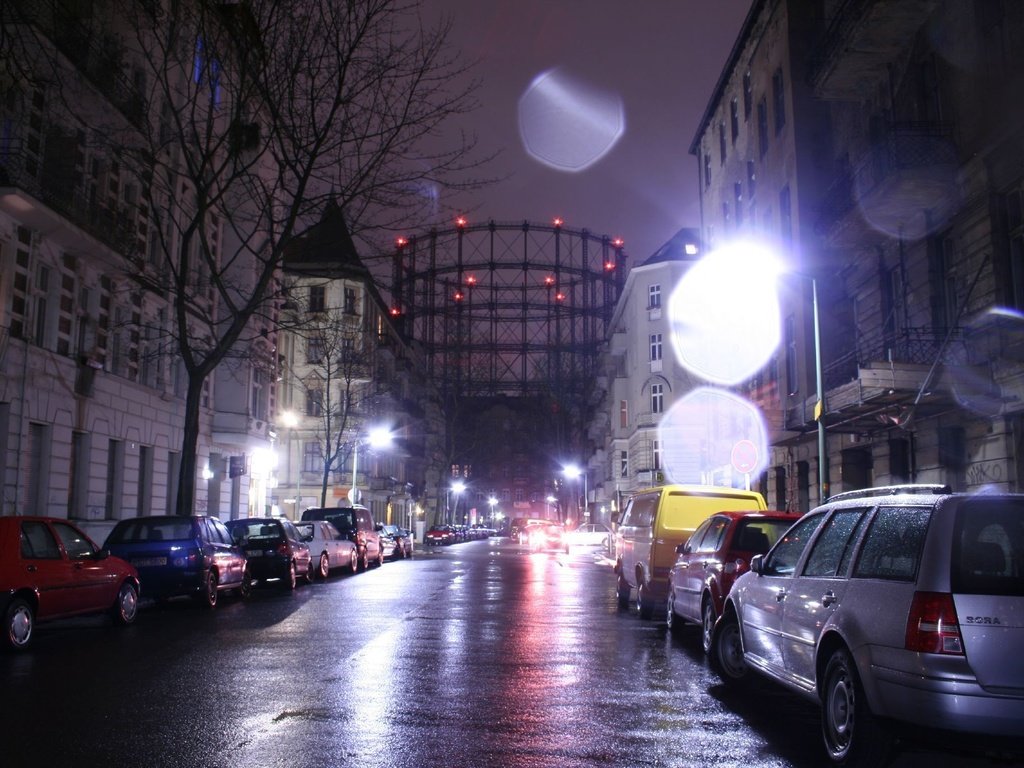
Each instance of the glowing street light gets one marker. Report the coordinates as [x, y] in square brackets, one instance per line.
[573, 472]
[376, 438]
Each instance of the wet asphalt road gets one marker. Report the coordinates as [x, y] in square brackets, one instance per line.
[477, 654]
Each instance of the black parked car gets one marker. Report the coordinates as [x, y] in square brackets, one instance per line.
[175, 556]
[274, 548]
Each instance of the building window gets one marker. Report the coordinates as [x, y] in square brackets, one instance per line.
[657, 398]
[314, 402]
[734, 119]
[115, 479]
[707, 170]
[312, 458]
[314, 350]
[785, 216]
[206, 70]
[751, 179]
[655, 346]
[748, 95]
[721, 142]
[656, 454]
[725, 216]
[623, 464]
[1012, 207]
[317, 298]
[792, 379]
[654, 296]
[623, 413]
[762, 127]
[779, 100]
[737, 195]
[350, 301]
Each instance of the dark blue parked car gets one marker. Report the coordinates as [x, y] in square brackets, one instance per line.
[174, 556]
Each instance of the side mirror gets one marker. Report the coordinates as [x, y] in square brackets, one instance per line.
[101, 554]
[681, 548]
[757, 564]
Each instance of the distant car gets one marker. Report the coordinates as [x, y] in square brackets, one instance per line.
[49, 569]
[388, 544]
[328, 548]
[439, 534]
[589, 535]
[274, 548]
[402, 539]
[547, 536]
[176, 556]
[356, 525]
[717, 553]
[898, 605]
[518, 526]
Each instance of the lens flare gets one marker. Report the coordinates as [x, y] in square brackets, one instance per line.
[724, 314]
[712, 436]
[568, 124]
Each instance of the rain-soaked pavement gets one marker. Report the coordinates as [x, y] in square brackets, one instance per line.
[477, 654]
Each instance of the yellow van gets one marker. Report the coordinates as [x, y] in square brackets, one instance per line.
[654, 522]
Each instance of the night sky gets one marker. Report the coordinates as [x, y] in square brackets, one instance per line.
[656, 59]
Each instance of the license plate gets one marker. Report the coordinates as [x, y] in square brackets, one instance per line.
[149, 562]
[254, 553]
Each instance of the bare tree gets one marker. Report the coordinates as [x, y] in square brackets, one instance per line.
[335, 375]
[236, 121]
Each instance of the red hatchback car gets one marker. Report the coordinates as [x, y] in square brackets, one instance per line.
[711, 560]
[49, 569]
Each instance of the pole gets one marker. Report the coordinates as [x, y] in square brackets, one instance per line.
[819, 408]
[353, 494]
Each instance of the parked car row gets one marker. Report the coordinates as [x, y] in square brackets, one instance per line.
[50, 569]
[890, 608]
[450, 534]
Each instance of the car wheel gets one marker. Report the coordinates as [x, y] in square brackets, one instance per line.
[364, 561]
[291, 579]
[380, 557]
[672, 619]
[852, 735]
[707, 625]
[325, 566]
[19, 621]
[644, 606]
[208, 595]
[727, 651]
[622, 590]
[311, 570]
[353, 565]
[126, 606]
[245, 588]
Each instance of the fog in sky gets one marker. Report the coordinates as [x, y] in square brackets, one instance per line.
[593, 104]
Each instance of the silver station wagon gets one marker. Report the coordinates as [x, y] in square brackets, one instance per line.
[892, 605]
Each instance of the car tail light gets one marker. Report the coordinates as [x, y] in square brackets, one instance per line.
[282, 548]
[188, 559]
[932, 626]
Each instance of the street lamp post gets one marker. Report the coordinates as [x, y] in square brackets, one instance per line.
[290, 419]
[457, 488]
[378, 437]
[573, 472]
[819, 407]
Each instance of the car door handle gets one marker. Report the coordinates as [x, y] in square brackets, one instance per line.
[780, 595]
[31, 569]
[828, 598]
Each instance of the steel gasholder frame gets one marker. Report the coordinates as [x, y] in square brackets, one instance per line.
[508, 308]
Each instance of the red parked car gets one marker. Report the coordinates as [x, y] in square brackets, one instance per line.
[49, 569]
[711, 560]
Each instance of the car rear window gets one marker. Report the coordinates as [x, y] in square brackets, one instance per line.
[988, 548]
[893, 544]
[135, 531]
[256, 530]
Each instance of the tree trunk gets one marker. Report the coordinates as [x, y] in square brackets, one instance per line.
[185, 504]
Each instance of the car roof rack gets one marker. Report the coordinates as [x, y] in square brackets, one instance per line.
[892, 490]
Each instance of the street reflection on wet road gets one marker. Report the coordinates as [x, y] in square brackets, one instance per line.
[475, 654]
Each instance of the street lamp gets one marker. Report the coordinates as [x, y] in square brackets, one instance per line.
[492, 501]
[290, 420]
[377, 437]
[573, 472]
[457, 488]
[819, 407]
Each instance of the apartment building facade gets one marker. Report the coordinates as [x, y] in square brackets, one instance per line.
[877, 147]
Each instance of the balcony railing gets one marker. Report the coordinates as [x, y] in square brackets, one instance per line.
[43, 180]
[905, 172]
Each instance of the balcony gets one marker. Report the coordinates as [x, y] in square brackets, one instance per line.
[49, 181]
[887, 191]
[863, 38]
[883, 381]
